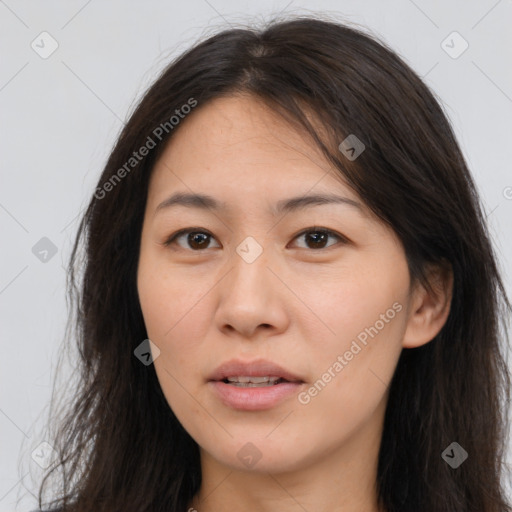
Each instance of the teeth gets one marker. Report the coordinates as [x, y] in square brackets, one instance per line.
[252, 385]
[253, 381]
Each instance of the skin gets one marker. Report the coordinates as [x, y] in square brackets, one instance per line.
[299, 304]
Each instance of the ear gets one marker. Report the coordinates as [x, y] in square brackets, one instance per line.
[428, 311]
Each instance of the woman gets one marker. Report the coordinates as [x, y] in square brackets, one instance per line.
[231, 354]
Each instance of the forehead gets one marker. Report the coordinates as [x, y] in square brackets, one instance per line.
[239, 128]
[239, 142]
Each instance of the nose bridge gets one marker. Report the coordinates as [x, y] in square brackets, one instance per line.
[250, 287]
[250, 294]
[250, 261]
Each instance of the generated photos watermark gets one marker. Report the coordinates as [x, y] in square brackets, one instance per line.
[305, 397]
[454, 455]
[137, 156]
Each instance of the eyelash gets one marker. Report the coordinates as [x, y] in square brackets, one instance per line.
[171, 239]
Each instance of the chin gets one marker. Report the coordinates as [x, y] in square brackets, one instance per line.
[261, 456]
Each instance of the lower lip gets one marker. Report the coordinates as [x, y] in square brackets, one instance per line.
[254, 399]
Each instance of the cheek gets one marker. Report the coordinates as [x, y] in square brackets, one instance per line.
[353, 370]
[345, 302]
[173, 303]
[177, 313]
[363, 319]
[174, 311]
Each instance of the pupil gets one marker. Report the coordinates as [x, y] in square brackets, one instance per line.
[197, 238]
[317, 236]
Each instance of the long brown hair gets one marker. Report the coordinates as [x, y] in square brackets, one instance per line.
[121, 447]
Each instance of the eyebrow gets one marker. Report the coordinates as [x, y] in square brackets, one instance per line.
[206, 202]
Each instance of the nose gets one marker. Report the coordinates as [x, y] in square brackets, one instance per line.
[252, 297]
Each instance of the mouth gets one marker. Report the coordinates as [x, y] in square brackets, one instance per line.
[258, 372]
[254, 382]
[254, 385]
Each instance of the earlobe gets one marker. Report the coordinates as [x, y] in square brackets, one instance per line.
[429, 309]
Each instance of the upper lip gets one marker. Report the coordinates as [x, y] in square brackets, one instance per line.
[256, 368]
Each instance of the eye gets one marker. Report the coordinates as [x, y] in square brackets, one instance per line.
[318, 236]
[197, 238]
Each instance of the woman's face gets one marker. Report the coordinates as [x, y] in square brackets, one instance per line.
[256, 284]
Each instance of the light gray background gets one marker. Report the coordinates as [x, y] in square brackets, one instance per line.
[61, 115]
